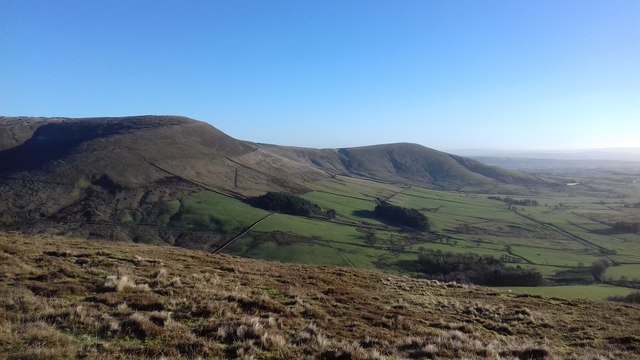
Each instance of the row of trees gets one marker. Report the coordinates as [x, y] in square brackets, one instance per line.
[634, 205]
[289, 204]
[401, 216]
[598, 268]
[510, 201]
[626, 226]
[633, 298]
[475, 269]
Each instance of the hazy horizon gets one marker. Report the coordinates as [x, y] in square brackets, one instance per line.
[625, 154]
[448, 75]
[568, 151]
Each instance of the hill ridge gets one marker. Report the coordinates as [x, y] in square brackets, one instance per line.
[54, 138]
[51, 170]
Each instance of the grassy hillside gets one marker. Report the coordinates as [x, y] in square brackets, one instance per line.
[64, 298]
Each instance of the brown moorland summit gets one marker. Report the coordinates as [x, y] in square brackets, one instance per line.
[139, 143]
[63, 298]
[131, 151]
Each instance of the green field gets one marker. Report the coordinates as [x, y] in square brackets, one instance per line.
[354, 187]
[206, 209]
[348, 208]
[312, 241]
[309, 228]
[629, 271]
[562, 233]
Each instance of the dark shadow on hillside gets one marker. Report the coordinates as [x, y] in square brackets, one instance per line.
[54, 141]
[607, 231]
[411, 266]
[367, 214]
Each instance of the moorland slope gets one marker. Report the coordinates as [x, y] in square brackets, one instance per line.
[63, 298]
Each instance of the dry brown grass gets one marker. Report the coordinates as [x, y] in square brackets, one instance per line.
[63, 298]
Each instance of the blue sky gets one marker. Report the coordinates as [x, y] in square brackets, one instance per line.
[446, 74]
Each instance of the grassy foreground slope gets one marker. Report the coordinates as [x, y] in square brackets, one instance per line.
[64, 298]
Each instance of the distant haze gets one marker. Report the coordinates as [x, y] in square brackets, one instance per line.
[614, 154]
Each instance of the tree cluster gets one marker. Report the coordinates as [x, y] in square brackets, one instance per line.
[635, 205]
[401, 216]
[475, 269]
[626, 226]
[289, 204]
[623, 281]
[633, 298]
[598, 268]
[510, 201]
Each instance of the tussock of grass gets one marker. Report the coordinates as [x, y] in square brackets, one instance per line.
[119, 283]
[181, 304]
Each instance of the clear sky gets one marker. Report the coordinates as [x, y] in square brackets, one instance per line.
[509, 74]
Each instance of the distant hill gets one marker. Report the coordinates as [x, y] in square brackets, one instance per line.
[98, 171]
[405, 163]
